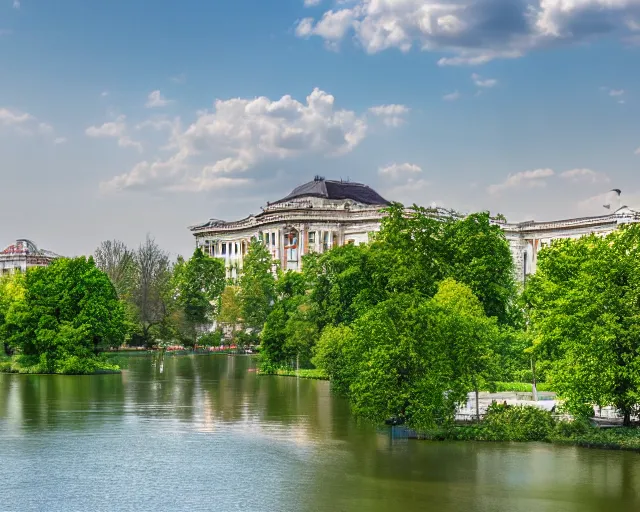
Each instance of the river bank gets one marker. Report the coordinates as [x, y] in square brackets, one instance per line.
[72, 365]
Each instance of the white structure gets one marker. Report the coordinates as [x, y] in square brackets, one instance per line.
[314, 217]
[323, 214]
[527, 238]
[24, 254]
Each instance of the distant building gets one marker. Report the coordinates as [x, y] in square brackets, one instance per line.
[527, 238]
[314, 217]
[24, 254]
[323, 214]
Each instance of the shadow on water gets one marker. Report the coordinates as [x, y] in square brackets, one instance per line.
[207, 433]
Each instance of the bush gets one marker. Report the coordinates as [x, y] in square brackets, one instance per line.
[517, 423]
[211, 339]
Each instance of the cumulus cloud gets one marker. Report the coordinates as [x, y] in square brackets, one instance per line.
[524, 179]
[13, 117]
[24, 123]
[394, 170]
[156, 100]
[114, 129]
[471, 31]
[240, 134]
[585, 176]
[484, 83]
[391, 115]
[451, 96]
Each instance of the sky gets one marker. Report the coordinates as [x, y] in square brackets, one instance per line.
[126, 118]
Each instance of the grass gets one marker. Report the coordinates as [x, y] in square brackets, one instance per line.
[71, 365]
[519, 387]
[316, 374]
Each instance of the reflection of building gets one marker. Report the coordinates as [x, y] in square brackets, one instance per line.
[314, 217]
[322, 214]
[24, 254]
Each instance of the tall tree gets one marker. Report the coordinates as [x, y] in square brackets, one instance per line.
[230, 312]
[151, 287]
[257, 286]
[116, 260]
[585, 314]
[198, 284]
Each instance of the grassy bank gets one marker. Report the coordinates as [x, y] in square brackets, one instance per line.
[72, 365]
[525, 423]
[303, 374]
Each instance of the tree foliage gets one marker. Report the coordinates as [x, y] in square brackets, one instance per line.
[585, 313]
[66, 313]
[198, 283]
[257, 286]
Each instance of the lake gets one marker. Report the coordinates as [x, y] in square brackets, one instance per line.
[206, 433]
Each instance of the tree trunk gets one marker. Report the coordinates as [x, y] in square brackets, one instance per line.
[477, 405]
[626, 421]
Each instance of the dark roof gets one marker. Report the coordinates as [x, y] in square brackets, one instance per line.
[330, 189]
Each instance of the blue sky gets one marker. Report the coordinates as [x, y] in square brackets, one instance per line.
[123, 118]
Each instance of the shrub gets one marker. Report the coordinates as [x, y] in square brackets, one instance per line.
[517, 423]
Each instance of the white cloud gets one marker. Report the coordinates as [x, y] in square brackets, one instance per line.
[59, 140]
[616, 92]
[485, 83]
[13, 117]
[391, 115]
[584, 175]
[104, 94]
[179, 79]
[16, 4]
[637, 151]
[524, 179]
[413, 191]
[395, 170]
[114, 129]
[156, 100]
[453, 96]
[471, 31]
[311, 3]
[241, 134]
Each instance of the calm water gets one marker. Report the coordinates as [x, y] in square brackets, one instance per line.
[205, 433]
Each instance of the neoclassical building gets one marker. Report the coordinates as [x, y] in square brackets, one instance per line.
[324, 213]
[24, 254]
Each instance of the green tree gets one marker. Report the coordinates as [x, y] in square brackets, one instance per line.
[411, 358]
[69, 312]
[257, 286]
[198, 284]
[585, 314]
[230, 310]
[11, 292]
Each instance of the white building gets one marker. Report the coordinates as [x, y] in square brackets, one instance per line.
[24, 254]
[314, 217]
[323, 214]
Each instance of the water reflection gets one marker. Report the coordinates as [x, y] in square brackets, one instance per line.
[222, 438]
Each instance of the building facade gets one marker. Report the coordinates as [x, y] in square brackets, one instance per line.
[24, 254]
[323, 214]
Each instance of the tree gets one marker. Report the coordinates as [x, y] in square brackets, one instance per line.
[257, 286]
[11, 292]
[198, 284]
[410, 358]
[151, 288]
[230, 312]
[585, 315]
[116, 260]
[69, 312]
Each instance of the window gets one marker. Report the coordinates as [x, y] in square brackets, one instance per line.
[224, 249]
[312, 237]
[273, 239]
[235, 248]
